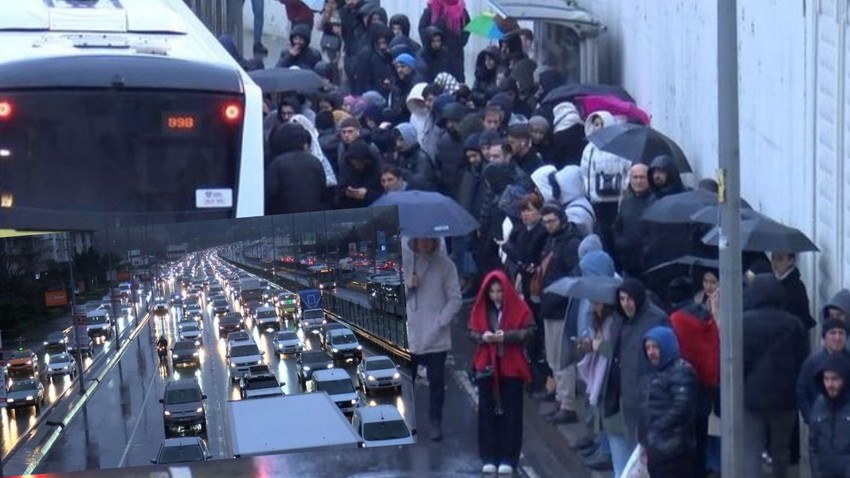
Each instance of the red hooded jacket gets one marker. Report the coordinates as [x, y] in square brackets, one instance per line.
[515, 320]
[699, 342]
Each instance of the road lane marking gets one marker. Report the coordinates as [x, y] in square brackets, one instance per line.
[148, 393]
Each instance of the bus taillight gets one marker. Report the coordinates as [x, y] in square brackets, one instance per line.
[5, 110]
[232, 112]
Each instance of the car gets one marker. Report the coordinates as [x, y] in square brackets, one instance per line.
[61, 364]
[259, 381]
[191, 333]
[127, 310]
[337, 384]
[241, 356]
[185, 352]
[160, 306]
[266, 318]
[228, 323]
[309, 361]
[25, 393]
[193, 309]
[236, 337]
[287, 342]
[323, 332]
[87, 344]
[343, 344]
[181, 450]
[56, 342]
[378, 372]
[220, 307]
[381, 425]
[23, 363]
[183, 406]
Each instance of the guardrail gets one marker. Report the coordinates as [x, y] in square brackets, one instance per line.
[222, 17]
[384, 330]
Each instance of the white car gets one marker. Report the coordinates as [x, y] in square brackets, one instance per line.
[61, 364]
[382, 425]
[191, 333]
[378, 372]
[337, 384]
[288, 342]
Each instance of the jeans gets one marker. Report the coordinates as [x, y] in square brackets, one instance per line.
[500, 436]
[435, 364]
[757, 427]
[257, 7]
[621, 450]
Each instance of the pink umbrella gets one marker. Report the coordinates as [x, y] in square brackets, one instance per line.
[613, 105]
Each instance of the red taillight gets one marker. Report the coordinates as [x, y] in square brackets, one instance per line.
[232, 112]
[5, 110]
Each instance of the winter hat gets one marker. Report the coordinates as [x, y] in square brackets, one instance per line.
[324, 69]
[472, 143]
[447, 82]
[373, 112]
[550, 79]
[350, 122]
[504, 102]
[340, 116]
[406, 60]
[374, 98]
[288, 137]
[539, 123]
[596, 264]
[590, 243]
[830, 324]
[440, 102]
[408, 134]
[324, 120]
[489, 138]
[354, 104]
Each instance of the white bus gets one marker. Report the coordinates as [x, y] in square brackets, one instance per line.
[122, 112]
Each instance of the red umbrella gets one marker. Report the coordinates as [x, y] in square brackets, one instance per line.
[612, 104]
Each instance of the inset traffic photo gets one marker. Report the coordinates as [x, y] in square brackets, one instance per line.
[205, 341]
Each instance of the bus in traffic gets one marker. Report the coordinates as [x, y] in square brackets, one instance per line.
[116, 113]
[322, 277]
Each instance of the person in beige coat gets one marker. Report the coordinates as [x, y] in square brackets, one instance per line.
[433, 300]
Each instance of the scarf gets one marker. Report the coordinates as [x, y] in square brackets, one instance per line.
[450, 12]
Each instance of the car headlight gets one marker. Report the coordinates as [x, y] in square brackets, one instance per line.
[306, 368]
[166, 413]
[354, 402]
[330, 365]
[370, 378]
[29, 397]
[260, 362]
[359, 347]
[45, 343]
[29, 362]
[396, 375]
[334, 350]
[200, 410]
[197, 342]
[9, 400]
[195, 354]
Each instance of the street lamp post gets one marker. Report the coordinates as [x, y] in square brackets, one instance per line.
[80, 340]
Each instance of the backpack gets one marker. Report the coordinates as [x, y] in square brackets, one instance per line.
[606, 183]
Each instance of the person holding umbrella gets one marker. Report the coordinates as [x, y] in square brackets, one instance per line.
[500, 323]
[433, 299]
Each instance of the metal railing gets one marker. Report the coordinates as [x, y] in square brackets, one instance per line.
[222, 17]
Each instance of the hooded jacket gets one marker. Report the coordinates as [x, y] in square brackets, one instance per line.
[630, 231]
[699, 341]
[295, 180]
[568, 135]
[485, 85]
[674, 179]
[307, 58]
[497, 177]
[841, 301]
[566, 187]
[433, 61]
[808, 388]
[796, 298]
[353, 30]
[593, 262]
[774, 348]
[427, 132]
[669, 398]
[605, 175]
[454, 42]
[472, 191]
[417, 167]
[402, 21]
[433, 304]
[506, 359]
[829, 433]
[450, 153]
[368, 178]
[374, 66]
[621, 396]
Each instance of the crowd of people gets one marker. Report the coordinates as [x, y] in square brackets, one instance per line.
[395, 114]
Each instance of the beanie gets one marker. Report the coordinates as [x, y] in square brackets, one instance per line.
[830, 324]
[406, 60]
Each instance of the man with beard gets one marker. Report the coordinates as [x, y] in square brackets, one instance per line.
[450, 148]
[300, 53]
[374, 69]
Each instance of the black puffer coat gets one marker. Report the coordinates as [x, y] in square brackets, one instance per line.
[564, 248]
[829, 427]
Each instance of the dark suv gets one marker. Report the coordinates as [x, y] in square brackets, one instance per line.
[230, 322]
[182, 406]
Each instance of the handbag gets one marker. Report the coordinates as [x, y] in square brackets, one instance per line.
[535, 283]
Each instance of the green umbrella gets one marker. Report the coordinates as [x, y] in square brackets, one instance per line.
[484, 25]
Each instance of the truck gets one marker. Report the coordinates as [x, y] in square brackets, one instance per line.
[291, 423]
[250, 295]
[312, 316]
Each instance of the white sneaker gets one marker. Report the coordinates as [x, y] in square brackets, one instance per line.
[488, 468]
[506, 469]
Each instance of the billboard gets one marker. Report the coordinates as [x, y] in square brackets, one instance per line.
[55, 298]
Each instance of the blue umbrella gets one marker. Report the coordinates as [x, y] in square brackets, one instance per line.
[428, 214]
[596, 289]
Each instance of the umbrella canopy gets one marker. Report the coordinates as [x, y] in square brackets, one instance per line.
[596, 289]
[484, 25]
[279, 80]
[638, 144]
[612, 104]
[763, 234]
[679, 208]
[570, 92]
[711, 214]
[690, 261]
[428, 214]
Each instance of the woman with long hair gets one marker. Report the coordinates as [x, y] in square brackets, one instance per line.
[500, 323]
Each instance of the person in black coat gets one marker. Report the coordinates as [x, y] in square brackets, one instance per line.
[434, 58]
[416, 166]
[629, 230]
[374, 65]
[363, 184]
[774, 351]
[486, 76]
[666, 429]
[300, 53]
[834, 339]
[524, 246]
[295, 179]
[829, 435]
[407, 75]
[450, 16]
[400, 26]
[450, 148]
[519, 137]
[665, 177]
[784, 265]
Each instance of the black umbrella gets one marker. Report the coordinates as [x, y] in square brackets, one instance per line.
[638, 144]
[764, 234]
[689, 261]
[569, 92]
[279, 80]
[428, 214]
[679, 208]
[711, 214]
[596, 289]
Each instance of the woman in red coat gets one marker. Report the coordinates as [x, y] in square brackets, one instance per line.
[500, 323]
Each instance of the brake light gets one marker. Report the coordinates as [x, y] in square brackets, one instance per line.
[6, 110]
[232, 112]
